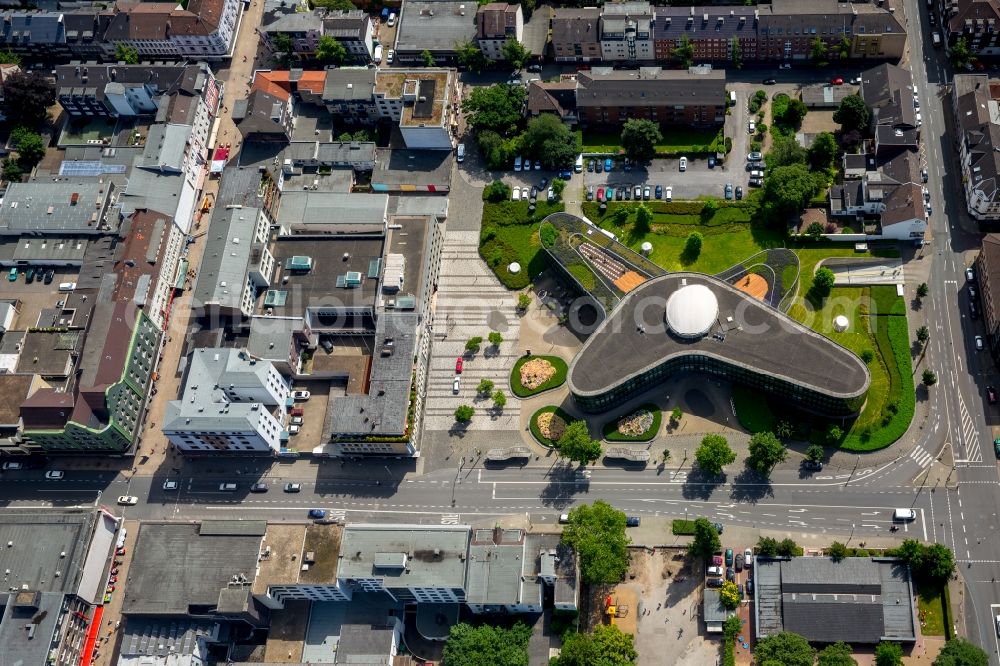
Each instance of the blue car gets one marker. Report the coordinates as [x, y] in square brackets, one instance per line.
[607, 164]
[566, 175]
[317, 513]
[659, 192]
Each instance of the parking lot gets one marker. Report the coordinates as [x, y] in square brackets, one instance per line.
[313, 417]
[696, 181]
[35, 297]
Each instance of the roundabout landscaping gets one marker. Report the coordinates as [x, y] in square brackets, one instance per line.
[548, 424]
[641, 425]
[532, 375]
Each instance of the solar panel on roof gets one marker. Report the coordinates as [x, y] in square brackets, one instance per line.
[88, 168]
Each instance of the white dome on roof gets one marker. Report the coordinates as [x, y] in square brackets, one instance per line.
[514, 268]
[692, 310]
[840, 323]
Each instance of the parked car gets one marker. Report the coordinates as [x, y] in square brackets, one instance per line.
[301, 395]
[128, 500]
[729, 557]
[669, 194]
[459, 364]
[632, 521]
[711, 162]
[683, 164]
[11, 465]
[837, 81]
[658, 192]
[730, 574]
[739, 561]
[518, 162]
[979, 343]
[973, 310]
[49, 274]
[29, 275]
[169, 485]
[600, 166]
[563, 518]
[534, 68]
[590, 193]
[317, 513]
[619, 193]
[748, 557]
[785, 65]
[607, 164]
[751, 127]
[749, 586]
[713, 582]
[590, 166]
[716, 571]
[12, 274]
[293, 487]
[533, 193]
[294, 429]
[770, 82]
[739, 191]
[515, 194]
[54, 475]
[755, 182]
[814, 465]
[389, 56]
[729, 191]
[538, 165]
[856, 80]
[718, 527]
[296, 420]
[259, 487]
[600, 194]
[645, 192]
[991, 395]
[456, 385]
[609, 193]
[755, 157]
[739, 588]
[970, 274]
[637, 192]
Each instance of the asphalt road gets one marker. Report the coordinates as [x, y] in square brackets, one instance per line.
[961, 417]
[853, 503]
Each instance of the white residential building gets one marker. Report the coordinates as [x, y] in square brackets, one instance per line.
[232, 403]
[627, 31]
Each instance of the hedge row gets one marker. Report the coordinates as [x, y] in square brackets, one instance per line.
[611, 427]
[893, 341]
[729, 652]
[537, 434]
[682, 527]
[504, 213]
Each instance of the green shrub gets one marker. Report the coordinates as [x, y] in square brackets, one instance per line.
[682, 527]
[729, 145]
[547, 234]
[583, 275]
[555, 380]
[496, 191]
[611, 427]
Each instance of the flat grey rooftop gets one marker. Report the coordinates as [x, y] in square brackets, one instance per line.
[19, 647]
[435, 555]
[760, 338]
[858, 599]
[176, 566]
[34, 558]
[435, 25]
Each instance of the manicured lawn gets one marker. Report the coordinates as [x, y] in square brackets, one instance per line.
[689, 141]
[537, 434]
[729, 236]
[681, 526]
[931, 601]
[510, 234]
[555, 380]
[611, 427]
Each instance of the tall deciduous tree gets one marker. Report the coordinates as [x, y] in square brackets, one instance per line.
[714, 454]
[852, 114]
[607, 646]
[766, 451]
[27, 98]
[684, 51]
[126, 53]
[640, 137]
[497, 107]
[330, 51]
[29, 145]
[960, 652]
[786, 649]
[705, 540]
[549, 139]
[838, 654]
[823, 151]
[577, 445]
[470, 57]
[888, 653]
[597, 534]
[785, 152]
[487, 644]
[789, 188]
[514, 52]
[427, 58]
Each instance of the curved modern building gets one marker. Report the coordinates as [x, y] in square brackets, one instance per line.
[690, 322]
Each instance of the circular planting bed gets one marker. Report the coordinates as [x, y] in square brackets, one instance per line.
[548, 424]
[533, 374]
[641, 425]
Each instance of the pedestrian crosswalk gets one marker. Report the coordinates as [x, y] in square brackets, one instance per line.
[921, 457]
[970, 434]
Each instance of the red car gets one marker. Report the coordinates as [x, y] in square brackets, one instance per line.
[458, 365]
[991, 395]
[837, 81]
[600, 194]
[296, 411]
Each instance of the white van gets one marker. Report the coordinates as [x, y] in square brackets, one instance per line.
[67, 286]
[377, 56]
[227, 487]
[732, 97]
[904, 514]
[578, 165]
